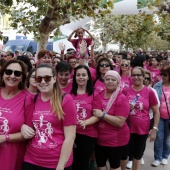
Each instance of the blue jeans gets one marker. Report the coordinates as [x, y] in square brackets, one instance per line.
[162, 142]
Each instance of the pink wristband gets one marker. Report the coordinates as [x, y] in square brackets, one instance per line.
[7, 138]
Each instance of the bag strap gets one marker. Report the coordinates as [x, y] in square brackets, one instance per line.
[166, 101]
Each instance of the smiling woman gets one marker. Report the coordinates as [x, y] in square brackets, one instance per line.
[54, 122]
[16, 108]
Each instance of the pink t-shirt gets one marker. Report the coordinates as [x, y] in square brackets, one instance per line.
[163, 108]
[76, 44]
[108, 134]
[155, 74]
[93, 73]
[45, 147]
[126, 81]
[84, 106]
[139, 117]
[14, 113]
[99, 86]
[68, 88]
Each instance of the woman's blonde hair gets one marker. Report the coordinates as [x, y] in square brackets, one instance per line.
[128, 62]
[57, 96]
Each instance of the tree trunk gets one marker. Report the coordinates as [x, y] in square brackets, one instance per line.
[42, 43]
[120, 47]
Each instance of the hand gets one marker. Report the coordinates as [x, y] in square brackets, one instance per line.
[2, 138]
[83, 48]
[152, 135]
[131, 107]
[62, 46]
[27, 132]
[82, 123]
[97, 113]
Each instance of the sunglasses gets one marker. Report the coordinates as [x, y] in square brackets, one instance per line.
[147, 78]
[73, 52]
[3, 55]
[124, 65]
[16, 73]
[136, 75]
[47, 79]
[104, 65]
[164, 74]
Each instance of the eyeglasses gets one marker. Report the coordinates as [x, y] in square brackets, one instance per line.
[72, 52]
[124, 65]
[147, 78]
[164, 74]
[104, 65]
[8, 72]
[136, 75]
[46, 78]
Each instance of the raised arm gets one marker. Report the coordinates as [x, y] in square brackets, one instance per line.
[70, 36]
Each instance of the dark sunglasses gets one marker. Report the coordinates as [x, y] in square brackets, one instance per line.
[47, 79]
[3, 55]
[136, 75]
[164, 74]
[124, 65]
[16, 73]
[72, 52]
[147, 78]
[104, 65]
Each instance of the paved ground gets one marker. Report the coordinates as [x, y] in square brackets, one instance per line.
[148, 158]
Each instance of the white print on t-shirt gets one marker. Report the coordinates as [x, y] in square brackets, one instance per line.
[4, 128]
[43, 130]
[137, 108]
[82, 112]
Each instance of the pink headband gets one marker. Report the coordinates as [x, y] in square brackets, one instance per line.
[114, 74]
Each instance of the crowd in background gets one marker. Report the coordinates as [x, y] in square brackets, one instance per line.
[78, 109]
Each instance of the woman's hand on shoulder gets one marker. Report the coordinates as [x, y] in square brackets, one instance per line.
[27, 132]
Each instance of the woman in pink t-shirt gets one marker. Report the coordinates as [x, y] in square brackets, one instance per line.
[162, 142]
[16, 108]
[141, 99]
[31, 83]
[125, 74]
[76, 42]
[113, 131]
[103, 65]
[54, 120]
[86, 132]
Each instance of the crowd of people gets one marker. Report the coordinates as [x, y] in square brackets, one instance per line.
[79, 109]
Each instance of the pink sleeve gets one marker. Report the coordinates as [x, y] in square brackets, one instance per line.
[122, 107]
[88, 40]
[152, 98]
[97, 103]
[29, 108]
[69, 109]
[74, 41]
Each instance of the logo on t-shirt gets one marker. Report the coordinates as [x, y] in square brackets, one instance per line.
[137, 108]
[43, 129]
[4, 128]
[81, 112]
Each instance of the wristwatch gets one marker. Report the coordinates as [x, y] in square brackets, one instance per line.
[154, 127]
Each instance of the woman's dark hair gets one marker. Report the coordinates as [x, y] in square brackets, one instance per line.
[21, 85]
[58, 58]
[138, 60]
[89, 87]
[63, 67]
[29, 76]
[98, 74]
[166, 70]
[26, 60]
[2, 61]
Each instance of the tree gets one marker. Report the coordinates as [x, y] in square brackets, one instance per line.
[44, 17]
[129, 30]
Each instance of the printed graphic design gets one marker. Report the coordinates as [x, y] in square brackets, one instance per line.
[43, 129]
[4, 128]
